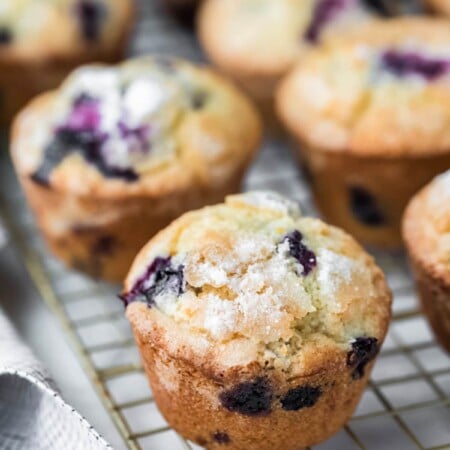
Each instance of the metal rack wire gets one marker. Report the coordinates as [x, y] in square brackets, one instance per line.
[407, 403]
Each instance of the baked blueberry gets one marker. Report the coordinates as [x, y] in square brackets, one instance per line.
[221, 438]
[251, 398]
[91, 14]
[364, 207]
[5, 36]
[301, 397]
[402, 64]
[81, 134]
[364, 350]
[379, 6]
[104, 246]
[161, 276]
[324, 11]
[299, 251]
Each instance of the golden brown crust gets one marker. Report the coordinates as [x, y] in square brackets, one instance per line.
[426, 225]
[391, 182]
[189, 399]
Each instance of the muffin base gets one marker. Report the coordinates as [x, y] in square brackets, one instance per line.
[101, 236]
[391, 182]
[434, 293]
[188, 397]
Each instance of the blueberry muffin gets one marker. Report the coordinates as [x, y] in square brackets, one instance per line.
[41, 41]
[370, 113]
[258, 327]
[118, 152]
[426, 231]
[439, 6]
[257, 41]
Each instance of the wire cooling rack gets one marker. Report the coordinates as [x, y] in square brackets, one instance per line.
[407, 403]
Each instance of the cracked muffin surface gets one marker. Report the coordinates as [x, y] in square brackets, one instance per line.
[118, 152]
[266, 306]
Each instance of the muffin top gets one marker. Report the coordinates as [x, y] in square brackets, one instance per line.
[382, 90]
[150, 125]
[252, 281]
[265, 37]
[426, 227]
[28, 27]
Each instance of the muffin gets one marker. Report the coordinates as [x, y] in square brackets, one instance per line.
[257, 41]
[426, 231]
[439, 6]
[258, 327]
[41, 41]
[370, 114]
[117, 153]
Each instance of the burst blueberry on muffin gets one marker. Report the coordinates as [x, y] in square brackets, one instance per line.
[258, 327]
[426, 231]
[370, 113]
[117, 153]
[258, 41]
[41, 41]
[439, 6]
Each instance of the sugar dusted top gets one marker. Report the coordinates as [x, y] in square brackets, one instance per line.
[253, 272]
[384, 89]
[151, 124]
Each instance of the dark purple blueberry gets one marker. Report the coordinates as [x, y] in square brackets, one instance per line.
[85, 114]
[221, 438]
[198, 99]
[364, 349]
[300, 252]
[5, 36]
[301, 397]
[80, 134]
[365, 208]
[104, 245]
[403, 63]
[251, 398]
[378, 6]
[91, 14]
[323, 13]
[161, 276]
[138, 135]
